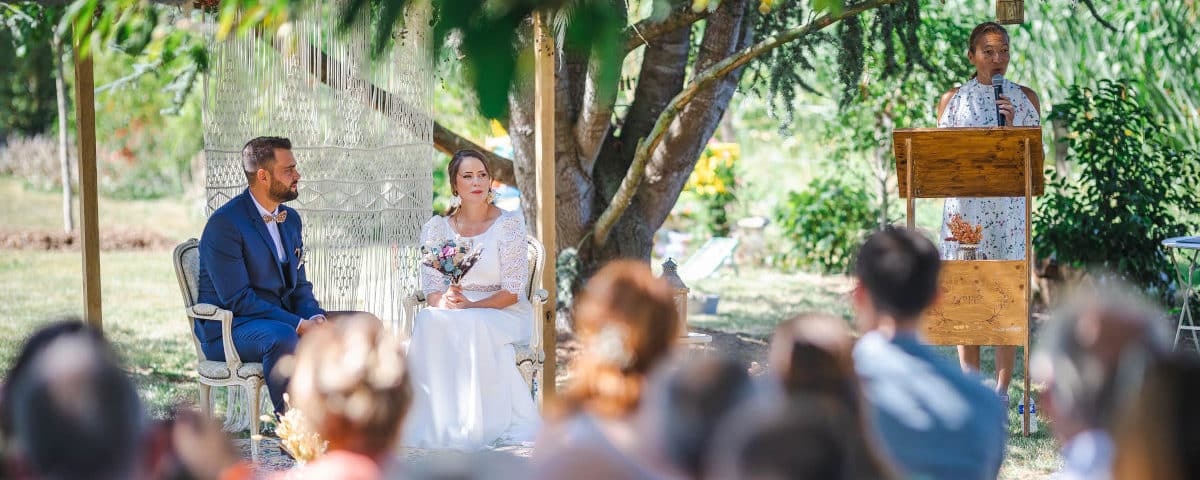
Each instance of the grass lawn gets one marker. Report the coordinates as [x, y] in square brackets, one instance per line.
[142, 304]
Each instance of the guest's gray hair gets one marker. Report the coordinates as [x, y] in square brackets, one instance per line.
[1095, 351]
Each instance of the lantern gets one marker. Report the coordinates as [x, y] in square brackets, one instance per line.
[671, 275]
[1010, 11]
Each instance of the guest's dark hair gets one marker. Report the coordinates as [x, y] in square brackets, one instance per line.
[1158, 434]
[797, 438]
[899, 268]
[689, 399]
[33, 346]
[456, 163]
[73, 412]
[259, 153]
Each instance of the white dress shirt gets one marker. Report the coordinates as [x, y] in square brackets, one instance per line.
[272, 227]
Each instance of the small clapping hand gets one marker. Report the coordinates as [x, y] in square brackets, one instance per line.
[1005, 105]
[453, 299]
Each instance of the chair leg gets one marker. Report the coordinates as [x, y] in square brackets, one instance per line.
[206, 401]
[253, 394]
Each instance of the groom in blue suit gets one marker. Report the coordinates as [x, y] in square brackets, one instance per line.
[251, 263]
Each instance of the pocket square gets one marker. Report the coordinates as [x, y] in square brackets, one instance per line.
[300, 251]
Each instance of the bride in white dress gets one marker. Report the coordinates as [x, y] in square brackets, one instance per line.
[467, 391]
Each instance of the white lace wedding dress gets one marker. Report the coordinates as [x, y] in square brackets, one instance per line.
[467, 392]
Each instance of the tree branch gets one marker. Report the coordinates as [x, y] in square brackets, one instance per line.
[1092, 8]
[641, 32]
[633, 178]
[591, 128]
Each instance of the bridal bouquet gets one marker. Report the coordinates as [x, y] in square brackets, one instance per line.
[452, 257]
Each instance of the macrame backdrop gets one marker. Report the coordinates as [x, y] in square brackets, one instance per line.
[362, 133]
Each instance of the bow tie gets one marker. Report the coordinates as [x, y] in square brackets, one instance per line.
[277, 218]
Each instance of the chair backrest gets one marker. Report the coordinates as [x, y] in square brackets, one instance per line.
[537, 261]
[187, 271]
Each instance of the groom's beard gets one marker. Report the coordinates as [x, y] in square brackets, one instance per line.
[281, 192]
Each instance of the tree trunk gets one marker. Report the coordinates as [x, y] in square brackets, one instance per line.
[728, 30]
[884, 124]
[63, 157]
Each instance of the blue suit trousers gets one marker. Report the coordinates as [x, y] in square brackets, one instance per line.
[265, 341]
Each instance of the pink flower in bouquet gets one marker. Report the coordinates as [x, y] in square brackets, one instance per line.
[452, 257]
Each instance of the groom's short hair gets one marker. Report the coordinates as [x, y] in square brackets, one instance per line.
[260, 153]
[899, 268]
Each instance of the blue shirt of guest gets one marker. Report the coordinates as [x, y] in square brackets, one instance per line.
[933, 420]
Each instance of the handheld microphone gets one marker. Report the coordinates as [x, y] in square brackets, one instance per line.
[997, 90]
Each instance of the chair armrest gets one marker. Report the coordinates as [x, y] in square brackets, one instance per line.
[206, 311]
[540, 296]
[413, 302]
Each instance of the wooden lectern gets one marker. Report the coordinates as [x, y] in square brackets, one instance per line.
[982, 302]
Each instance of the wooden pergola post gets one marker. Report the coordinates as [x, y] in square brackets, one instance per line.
[89, 222]
[543, 111]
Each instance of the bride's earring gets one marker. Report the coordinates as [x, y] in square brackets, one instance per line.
[491, 196]
[455, 201]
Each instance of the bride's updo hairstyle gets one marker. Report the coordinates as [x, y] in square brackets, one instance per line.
[352, 385]
[627, 324]
[455, 164]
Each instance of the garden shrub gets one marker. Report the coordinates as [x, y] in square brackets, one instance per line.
[823, 224]
[1129, 187]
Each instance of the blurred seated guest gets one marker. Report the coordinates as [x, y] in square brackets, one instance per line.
[811, 355]
[1083, 354]
[69, 410]
[685, 401]
[932, 420]
[627, 323]
[351, 385]
[799, 438]
[197, 448]
[1158, 435]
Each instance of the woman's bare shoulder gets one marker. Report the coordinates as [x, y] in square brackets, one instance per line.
[945, 100]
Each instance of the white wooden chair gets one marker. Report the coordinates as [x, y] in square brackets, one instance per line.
[530, 357]
[244, 381]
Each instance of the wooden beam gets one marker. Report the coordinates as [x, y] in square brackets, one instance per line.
[89, 222]
[543, 108]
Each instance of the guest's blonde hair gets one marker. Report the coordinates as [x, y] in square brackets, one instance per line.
[627, 323]
[352, 385]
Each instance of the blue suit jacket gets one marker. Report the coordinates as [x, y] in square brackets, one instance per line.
[240, 272]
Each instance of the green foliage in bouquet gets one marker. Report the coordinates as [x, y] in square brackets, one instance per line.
[1128, 188]
[823, 225]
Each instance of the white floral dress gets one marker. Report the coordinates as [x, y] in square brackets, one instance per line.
[1003, 218]
[467, 392]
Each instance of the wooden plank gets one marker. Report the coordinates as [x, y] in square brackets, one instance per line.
[968, 162]
[980, 303]
[89, 225]
[543, 107]
[1029, 288]
[908, 175]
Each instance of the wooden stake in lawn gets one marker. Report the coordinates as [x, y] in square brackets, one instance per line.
[89, 231]
[981, 302]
